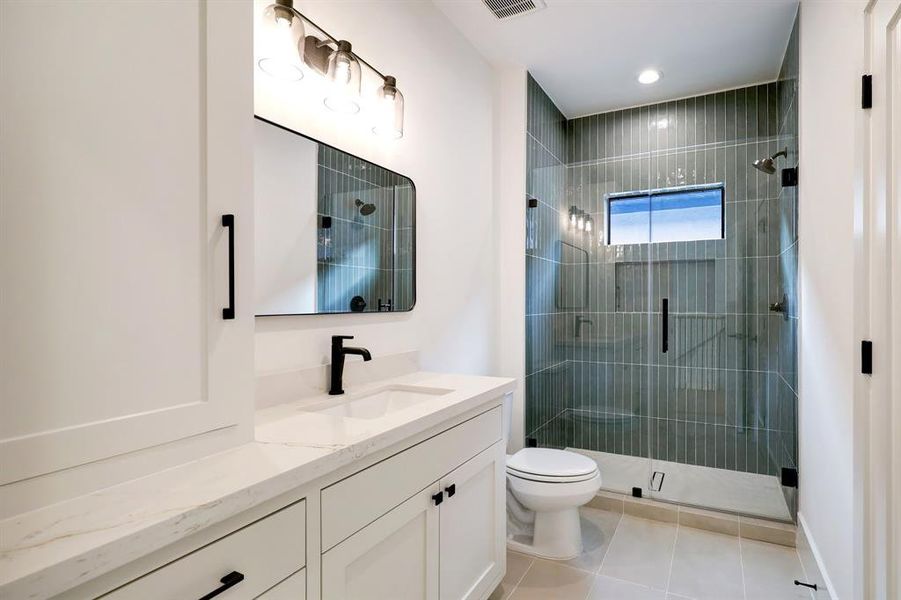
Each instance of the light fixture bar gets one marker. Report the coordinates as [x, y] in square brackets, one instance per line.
[331, 40]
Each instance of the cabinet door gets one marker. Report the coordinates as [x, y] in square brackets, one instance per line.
[394, 557]
[473, 525]
[127, 129]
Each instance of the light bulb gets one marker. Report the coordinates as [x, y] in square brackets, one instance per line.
[588, 225]
[389, 110]
[279, 49]
[581, 223]
[344, 76]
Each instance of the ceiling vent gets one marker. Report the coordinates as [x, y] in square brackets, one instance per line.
[504, 9]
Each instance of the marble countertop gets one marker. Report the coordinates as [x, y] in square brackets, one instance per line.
[50, 550]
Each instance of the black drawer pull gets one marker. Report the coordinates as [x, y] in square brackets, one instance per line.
[229, 311]
[451, 489]
[438, 498]
[229, 581]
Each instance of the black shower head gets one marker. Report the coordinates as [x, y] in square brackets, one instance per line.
[366, 208]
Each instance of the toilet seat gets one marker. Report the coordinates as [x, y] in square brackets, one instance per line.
[551, 466]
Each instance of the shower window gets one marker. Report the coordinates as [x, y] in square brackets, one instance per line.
[681, 215]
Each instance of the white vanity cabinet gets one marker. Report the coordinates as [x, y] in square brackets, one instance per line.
[127, 134]
[445, 542]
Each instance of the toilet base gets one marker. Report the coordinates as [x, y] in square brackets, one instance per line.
[556, 535]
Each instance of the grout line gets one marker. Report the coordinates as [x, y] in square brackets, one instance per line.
[672, 559]
[523, 576]
[741, 560]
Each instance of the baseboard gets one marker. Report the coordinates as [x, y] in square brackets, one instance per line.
[804, 532]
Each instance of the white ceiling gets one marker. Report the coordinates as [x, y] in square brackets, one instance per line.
[586, 54]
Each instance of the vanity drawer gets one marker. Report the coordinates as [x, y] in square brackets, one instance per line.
[264, 552]
[354, 502]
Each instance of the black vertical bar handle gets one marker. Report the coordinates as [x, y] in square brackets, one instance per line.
[229, 311]
[229, 581]
[664, 309]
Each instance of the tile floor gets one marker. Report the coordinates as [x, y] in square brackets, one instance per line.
[629, 558]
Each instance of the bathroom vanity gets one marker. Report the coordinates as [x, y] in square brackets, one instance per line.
[395, 489]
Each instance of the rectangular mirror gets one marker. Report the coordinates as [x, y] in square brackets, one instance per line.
[334, 233]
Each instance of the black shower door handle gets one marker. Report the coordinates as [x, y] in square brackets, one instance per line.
[228, 312]
[664, 317]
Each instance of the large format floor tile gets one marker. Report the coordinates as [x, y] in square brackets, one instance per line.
[629, 558]
[770, 571]
[547, 579]
[641, 552]
[706, 566]
[607, 588]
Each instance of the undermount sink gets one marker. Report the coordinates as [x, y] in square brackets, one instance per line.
[383, 401]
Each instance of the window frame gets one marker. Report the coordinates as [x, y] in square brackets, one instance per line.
[650, 194]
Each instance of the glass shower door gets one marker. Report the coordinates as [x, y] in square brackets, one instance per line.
[689, 413]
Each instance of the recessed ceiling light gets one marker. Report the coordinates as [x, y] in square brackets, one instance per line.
[649, 76]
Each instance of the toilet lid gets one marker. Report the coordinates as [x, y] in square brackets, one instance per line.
[549, 462]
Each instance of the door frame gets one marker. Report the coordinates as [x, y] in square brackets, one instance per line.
[877, 397]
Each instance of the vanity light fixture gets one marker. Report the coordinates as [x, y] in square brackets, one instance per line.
[389, 110]
[285, 51]
[344, 76]
[281, 55]
[649, 76]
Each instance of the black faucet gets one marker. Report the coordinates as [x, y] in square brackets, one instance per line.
[338, 354]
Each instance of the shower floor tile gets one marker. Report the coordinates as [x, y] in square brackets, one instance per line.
[641, 559]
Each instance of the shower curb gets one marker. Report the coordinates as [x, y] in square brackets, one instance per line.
[763, 530]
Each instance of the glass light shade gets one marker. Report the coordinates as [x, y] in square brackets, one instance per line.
[581, 222]
[588, 225]
[281, 43]
[343, 76]
[389, 110]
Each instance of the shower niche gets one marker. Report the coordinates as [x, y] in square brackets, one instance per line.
[333, 233]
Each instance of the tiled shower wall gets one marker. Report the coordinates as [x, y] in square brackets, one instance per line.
[723, 396]
[547, 371]
[356, 255]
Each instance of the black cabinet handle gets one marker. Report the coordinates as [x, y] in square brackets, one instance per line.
[438, 498]
[229, 581]
[229, 311]
[451, 489]
[664, 309]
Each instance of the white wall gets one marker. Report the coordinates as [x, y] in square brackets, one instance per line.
[446, 150]
[831, 42]
[510, 196]
[285, 182]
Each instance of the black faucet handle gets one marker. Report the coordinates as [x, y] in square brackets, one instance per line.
[339, 338]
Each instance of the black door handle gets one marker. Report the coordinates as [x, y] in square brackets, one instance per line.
[229, 222]
[229, 581]
[451, 489]
[664, 309]
[438, 498]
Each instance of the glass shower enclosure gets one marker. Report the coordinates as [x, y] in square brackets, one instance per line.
[661, 321]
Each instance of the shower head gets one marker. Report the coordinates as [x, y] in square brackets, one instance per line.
[366, 208]
[768, 165]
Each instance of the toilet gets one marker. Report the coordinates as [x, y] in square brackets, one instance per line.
[545, 488]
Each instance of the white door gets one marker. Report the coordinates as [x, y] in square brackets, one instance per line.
[393, 558]
[473, 524]
[882, 576]
[126, 135]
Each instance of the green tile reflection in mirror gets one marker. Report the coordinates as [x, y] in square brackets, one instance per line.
[334, 233]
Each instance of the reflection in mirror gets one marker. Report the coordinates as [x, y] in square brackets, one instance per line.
[334, 233]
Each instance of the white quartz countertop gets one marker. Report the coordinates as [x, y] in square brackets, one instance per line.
[55, 548]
